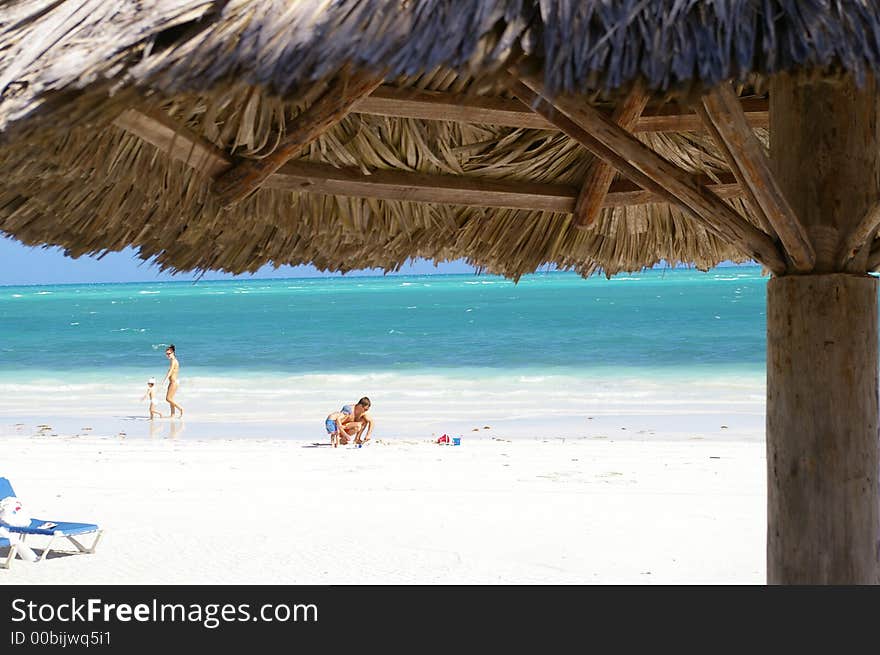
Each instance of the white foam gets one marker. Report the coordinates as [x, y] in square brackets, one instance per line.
[405, 403]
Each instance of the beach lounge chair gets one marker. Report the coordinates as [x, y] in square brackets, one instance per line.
[6, 561]
[16, 547]
[51, 529]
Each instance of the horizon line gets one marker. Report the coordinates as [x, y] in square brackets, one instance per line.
[359, 275]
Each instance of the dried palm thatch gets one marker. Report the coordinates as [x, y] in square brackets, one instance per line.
[239, 74]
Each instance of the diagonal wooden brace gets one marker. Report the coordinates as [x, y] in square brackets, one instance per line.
[332, 106]
[607, 140]
[723, 116]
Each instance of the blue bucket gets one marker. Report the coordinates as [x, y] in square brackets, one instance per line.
[456, 441]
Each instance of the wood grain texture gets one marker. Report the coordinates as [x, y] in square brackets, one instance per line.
[823, 510]
[454, 190]
[824, 145]
[601, 174]
[176, 140]
[607, 140]
[312, 177]
[391, 101]
[723, 113]
[709, 127]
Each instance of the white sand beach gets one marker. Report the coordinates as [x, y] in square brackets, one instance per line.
[529, 510]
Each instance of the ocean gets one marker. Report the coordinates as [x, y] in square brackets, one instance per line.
[669, 352]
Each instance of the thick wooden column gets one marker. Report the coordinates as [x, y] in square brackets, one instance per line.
[825, 152]
[823, 512]
[822, 345]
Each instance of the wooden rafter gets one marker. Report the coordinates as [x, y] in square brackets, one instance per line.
[709, 127]
[543, 107]
[509, 112]
[595, 131]
[723, 116]
[672, 117]
[177, 141]
[302, 176]
[601, 174]
[332, 106]
[452, 189]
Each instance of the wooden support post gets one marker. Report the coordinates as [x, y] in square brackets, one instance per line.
[822, 430]
[601, 174]
[824, 151]
[605, 139]
[723, 115]
[335, 103]
[823, 509]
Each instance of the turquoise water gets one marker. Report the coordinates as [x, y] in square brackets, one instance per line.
[674, 352]
[554, 322]
[663, 321]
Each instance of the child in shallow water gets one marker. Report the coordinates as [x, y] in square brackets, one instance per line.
[151, 394]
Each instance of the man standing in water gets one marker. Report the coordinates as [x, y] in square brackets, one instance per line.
[172, 378]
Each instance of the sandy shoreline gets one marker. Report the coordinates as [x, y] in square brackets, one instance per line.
[409, 406]
[251, 511]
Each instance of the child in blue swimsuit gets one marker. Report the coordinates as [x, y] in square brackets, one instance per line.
[334, 422]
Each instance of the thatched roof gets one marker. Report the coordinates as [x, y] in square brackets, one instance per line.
[237, 76]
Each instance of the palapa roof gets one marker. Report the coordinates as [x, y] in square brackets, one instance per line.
[117, 118]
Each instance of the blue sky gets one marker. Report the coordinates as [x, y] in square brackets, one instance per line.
[21, 264]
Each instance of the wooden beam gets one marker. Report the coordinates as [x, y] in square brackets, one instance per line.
[162, 132]
[331, 107]
[649, 170]
[177, 141]
[736, 172]
[543, 107]
[315, 177]
[861, 236]
[672, 117]
[444, 106]
[601, 174]
[510, 112]
[724, 116]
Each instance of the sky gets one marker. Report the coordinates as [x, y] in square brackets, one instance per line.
[21, 264]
